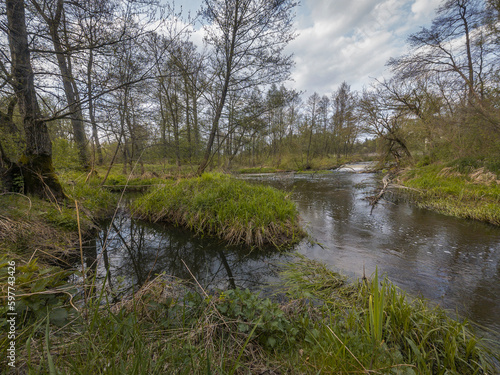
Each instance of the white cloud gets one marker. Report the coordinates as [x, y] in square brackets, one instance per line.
[348, 41]
[351, 41]
[423, 10]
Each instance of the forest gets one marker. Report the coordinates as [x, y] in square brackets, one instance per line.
[95, 83]
[117, 120]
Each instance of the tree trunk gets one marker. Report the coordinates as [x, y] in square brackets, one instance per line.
[72, 98]
[93, 122]
[69, 84]
[36, 163]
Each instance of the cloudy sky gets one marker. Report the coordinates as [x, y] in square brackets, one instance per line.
[349, 40]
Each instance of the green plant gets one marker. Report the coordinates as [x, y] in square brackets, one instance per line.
[39, 291]
[376, 305]
[248, 309]
[231, 209]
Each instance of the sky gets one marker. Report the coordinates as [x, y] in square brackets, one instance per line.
[348, 40]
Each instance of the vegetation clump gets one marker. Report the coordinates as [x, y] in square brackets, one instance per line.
[231, 209]
[455, 190]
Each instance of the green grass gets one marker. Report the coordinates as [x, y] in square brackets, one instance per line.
[258, 170]
[321, 326]
[231, 209]
[371, 326]
[455, 190]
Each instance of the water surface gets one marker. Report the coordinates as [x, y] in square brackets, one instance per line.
[450, 261]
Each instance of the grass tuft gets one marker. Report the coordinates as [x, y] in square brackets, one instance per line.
[231, 209]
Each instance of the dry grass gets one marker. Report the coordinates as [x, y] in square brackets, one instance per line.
[37, 239]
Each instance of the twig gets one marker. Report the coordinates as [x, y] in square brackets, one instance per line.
[81, 249]
[386, 181]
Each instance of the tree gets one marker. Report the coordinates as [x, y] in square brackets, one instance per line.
[95, 20]
[312, 108]
[36, 163]
[54, 15]
[344, 120]
[248, 38]
[384, 120]
[453, 46]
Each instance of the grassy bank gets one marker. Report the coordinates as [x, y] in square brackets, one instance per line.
[323, 325]
[30, 224]
[219, 205]
[456, 190]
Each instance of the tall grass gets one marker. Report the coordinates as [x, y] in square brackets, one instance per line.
[220, 205]
[320, 326]
[455, 191]
[323, 324]
[365, 328]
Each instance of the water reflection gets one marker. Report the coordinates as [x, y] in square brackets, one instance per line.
[131, 251]
[450, 261]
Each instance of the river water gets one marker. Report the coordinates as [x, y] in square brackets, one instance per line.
[449, 261]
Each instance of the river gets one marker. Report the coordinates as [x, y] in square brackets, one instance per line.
[449, 261]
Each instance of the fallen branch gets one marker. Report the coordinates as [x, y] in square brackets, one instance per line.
[386, 183]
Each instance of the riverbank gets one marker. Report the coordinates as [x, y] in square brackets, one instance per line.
[222, 206]
[323, 324]
[316, 322]
[50, 230]
[466, 192]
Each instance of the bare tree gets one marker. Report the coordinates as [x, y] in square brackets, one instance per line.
[54, 15]
[248, 37]
[384, 120]
[450, 46]
[345, 129]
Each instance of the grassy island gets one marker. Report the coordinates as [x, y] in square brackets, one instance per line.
[231, 209]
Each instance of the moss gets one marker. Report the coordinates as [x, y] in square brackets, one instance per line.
[40, 178]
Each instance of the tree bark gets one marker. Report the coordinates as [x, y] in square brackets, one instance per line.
[36, 163]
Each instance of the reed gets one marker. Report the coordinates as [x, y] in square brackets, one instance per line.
[376, 304]
[319, 326]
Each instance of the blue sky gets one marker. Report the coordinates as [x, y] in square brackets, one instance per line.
[349, 40]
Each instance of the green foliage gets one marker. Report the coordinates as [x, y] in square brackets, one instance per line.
[231, 209]
[249, 309]
[376, 314]
[39, 291]
[116, 180]
[18, 184]
[63, 217]
[364, 327]
[319, 327]
[99, 201]
[257, 170]
[65, 154]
